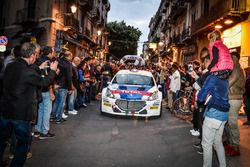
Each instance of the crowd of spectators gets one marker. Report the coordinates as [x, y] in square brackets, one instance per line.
[42, 86]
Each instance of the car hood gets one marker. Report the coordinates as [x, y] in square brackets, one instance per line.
[132, 92]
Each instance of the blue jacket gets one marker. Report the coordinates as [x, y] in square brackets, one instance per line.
[218, 106]
[218, 89]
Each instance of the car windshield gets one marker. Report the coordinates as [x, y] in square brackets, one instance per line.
[132, 79]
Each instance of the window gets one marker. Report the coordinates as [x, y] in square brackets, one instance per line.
[132, 79]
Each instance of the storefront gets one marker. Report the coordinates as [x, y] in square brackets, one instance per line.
[236, 39]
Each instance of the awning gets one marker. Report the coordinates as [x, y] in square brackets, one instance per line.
[71, 39]
[34, 32]
[87, 39]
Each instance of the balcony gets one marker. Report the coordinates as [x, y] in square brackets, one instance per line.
[177, 40]
[178, 7]
[86, 4]
[186, 35]
[95, 14]
[234, 9]
[27, 15]
[71, 22]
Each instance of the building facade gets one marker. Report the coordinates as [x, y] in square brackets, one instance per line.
[184, 25]
[54, 23]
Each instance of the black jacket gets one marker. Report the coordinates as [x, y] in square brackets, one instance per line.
[64, 79]
[20, 90]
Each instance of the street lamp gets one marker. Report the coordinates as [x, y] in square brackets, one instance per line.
[99, 32]
[73, 9]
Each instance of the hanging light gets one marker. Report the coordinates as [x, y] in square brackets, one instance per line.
[73, 8]
[218, 26]
[228, 21]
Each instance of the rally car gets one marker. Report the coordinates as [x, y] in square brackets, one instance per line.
[132, 93]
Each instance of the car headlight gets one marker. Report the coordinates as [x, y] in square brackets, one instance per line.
[109, 94]
[154, 96]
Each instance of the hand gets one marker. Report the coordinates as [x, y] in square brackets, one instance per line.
[70, 92]
[204, 71]
[53, 65]
[52, 96]
[57, 71]
[44, 65]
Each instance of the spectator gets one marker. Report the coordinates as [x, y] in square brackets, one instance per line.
[45, 107]
[247, 97]
[63, 87]
[175, 82]
[215, 117]
[75, 86]
[237, 82]
[20, 101]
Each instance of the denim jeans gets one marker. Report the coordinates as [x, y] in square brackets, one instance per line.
[22, 131]
[58, 106]
[71, 100]
[44, 111]
[212, 131]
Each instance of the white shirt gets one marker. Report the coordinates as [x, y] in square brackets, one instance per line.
[175, 81]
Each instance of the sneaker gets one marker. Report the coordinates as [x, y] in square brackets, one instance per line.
[36, 134]
[198, 145]
[11, 156]
[246, 123]
[84, 105]
[74, 112]
[200, 151]
[29, 155]
[60, 121]
[64, 116]
[192, 131]
[48, 135]
[52, 119]
[196, 133]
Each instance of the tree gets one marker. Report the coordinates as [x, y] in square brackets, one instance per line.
[124, 39]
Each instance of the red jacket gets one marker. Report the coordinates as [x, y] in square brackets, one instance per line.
[225, 61]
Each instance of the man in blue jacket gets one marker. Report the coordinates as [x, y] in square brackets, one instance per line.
[214, 94]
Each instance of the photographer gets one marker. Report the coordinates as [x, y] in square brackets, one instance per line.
[45, 107]
[20, 101]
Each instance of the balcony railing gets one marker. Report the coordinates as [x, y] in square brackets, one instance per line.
[27, 15]
[70, 21]
[95, 14]
[186, 35]
[178, 7]
[87, 4]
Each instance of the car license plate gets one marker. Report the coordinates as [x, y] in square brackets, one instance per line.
[154, 108]
[107, 104]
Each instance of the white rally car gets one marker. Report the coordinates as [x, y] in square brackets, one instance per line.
[132, 93]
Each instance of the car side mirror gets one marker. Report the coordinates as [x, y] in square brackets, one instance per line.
[108, 83]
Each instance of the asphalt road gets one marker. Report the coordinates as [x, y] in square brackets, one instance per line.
[92, 140]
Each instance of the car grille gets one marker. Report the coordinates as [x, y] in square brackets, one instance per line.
[130, 105]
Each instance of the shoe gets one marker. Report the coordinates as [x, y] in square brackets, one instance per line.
[64, 116]
[74, 112]
[48, 135]
[11, 156]
[246, 123]
[198, 145]
[36, 134]
[29, 155]
[52, 119]
[196, 133]
[200, 151]
[235, 151]
[84, 105]
[192, 131]
[60, 121]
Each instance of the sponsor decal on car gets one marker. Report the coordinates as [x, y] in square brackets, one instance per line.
[131, 92]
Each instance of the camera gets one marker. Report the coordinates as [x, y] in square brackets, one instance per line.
[190, 68]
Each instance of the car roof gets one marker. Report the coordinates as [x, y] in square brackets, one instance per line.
[137, 72]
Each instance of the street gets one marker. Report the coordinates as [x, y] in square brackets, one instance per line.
[92, 140]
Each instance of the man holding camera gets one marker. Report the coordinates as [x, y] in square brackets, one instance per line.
[45, 107]
[20, 101]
